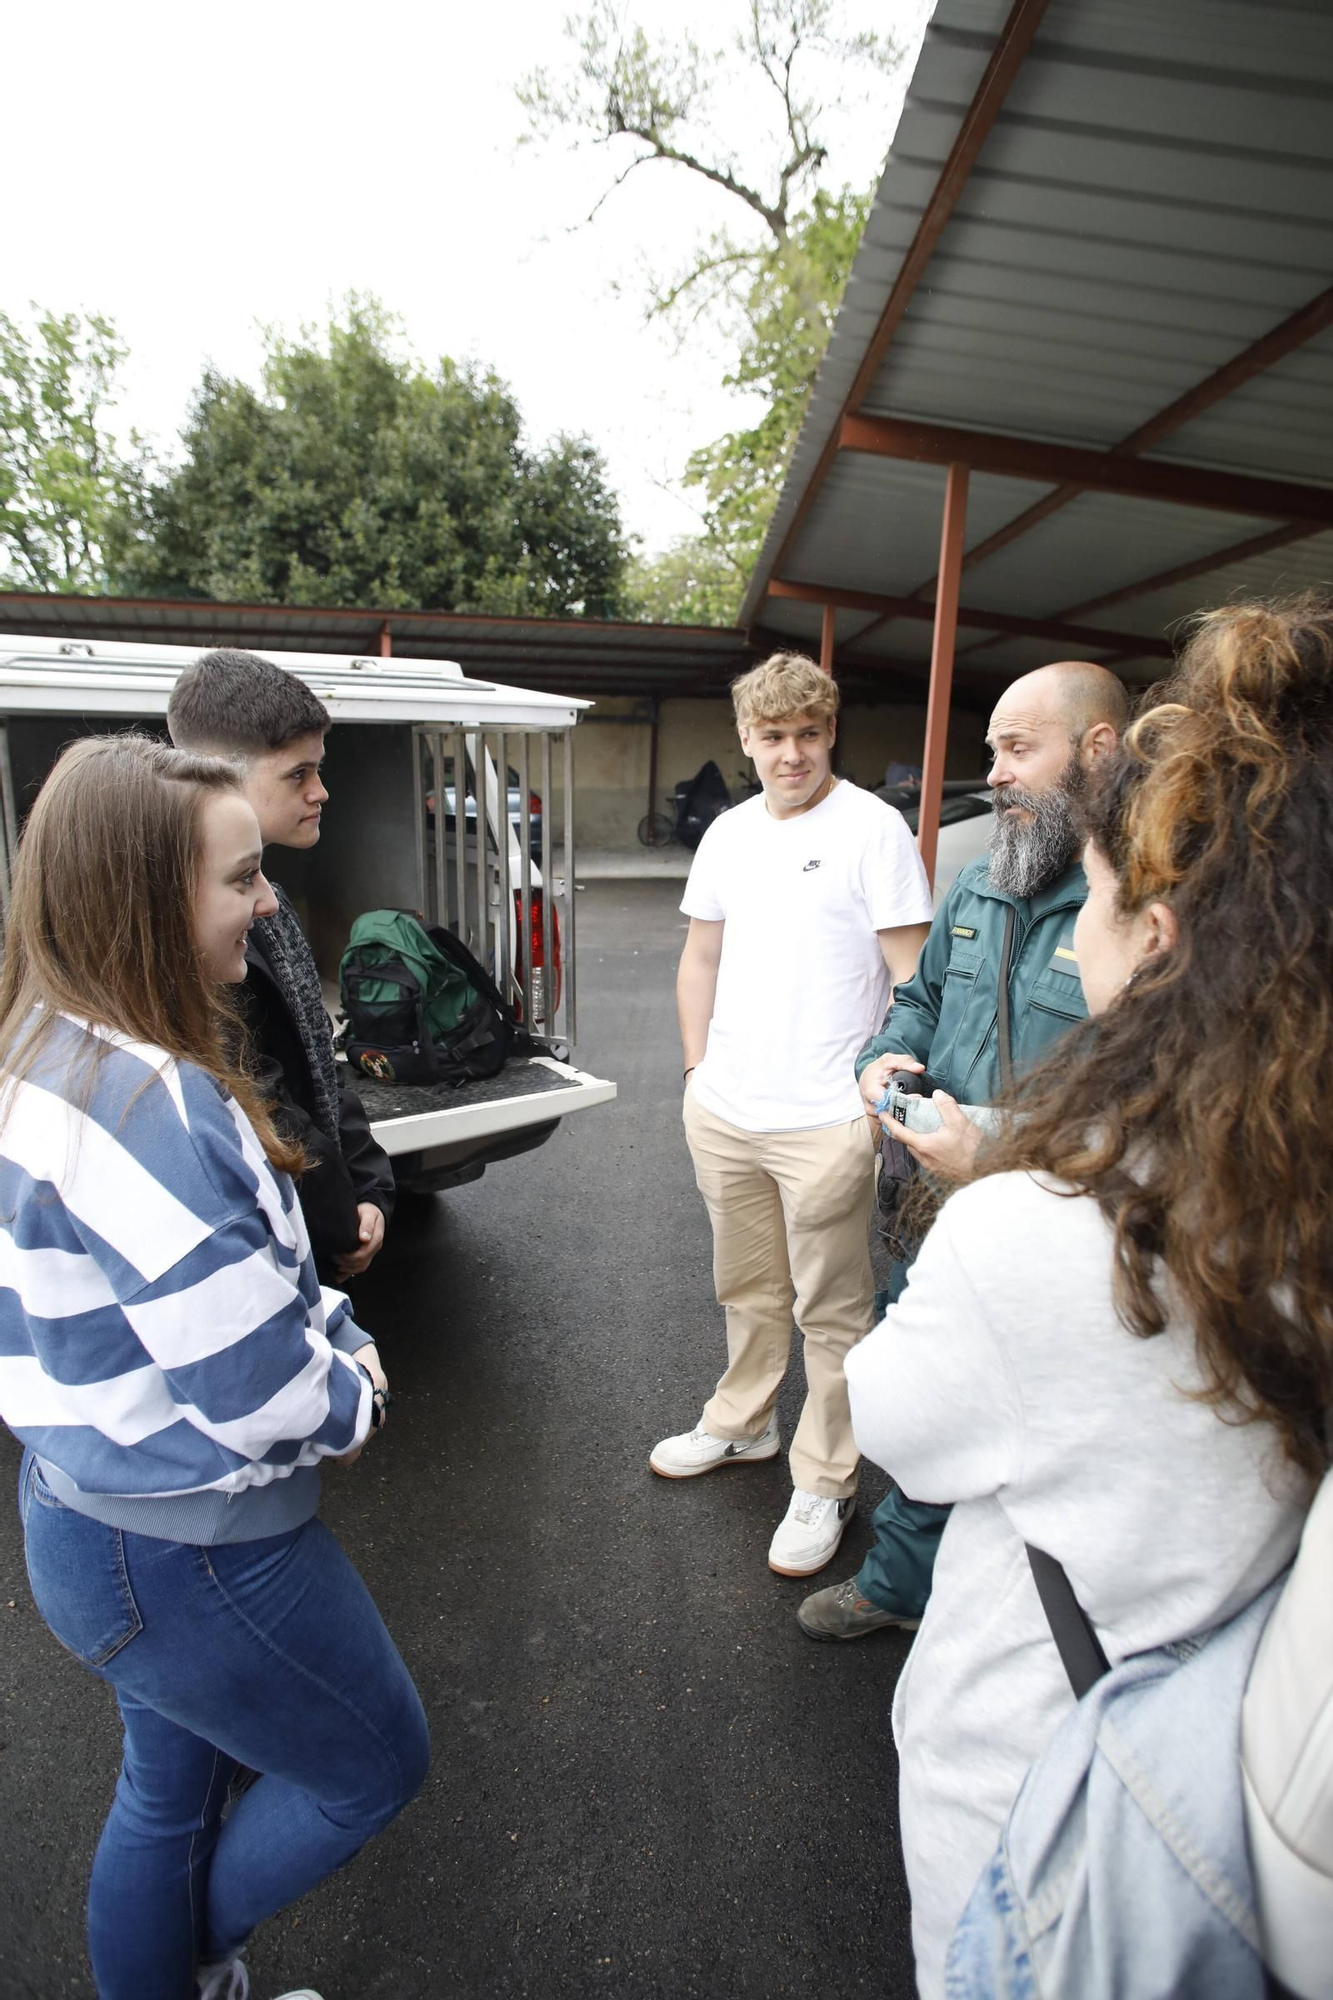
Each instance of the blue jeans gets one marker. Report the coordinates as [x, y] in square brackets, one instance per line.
[269, 1654]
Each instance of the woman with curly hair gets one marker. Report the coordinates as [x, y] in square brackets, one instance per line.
[1117, 1343]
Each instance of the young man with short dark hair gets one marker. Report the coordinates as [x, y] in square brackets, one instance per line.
[236, 705]
[803, 903]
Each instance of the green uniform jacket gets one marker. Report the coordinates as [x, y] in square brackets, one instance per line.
[945, 1014]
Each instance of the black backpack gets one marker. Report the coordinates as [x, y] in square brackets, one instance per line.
[419, 1007]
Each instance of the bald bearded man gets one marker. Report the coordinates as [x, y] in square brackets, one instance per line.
[1011, 915]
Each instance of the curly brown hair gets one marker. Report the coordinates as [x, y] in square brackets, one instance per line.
[1195, 1110]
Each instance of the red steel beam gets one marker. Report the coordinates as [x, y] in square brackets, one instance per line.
[941, 665]
[1261, 354]
[1103, 471]
[1012, 44]
[828, 632]
[992, 621]
[1257, 545]
[1235, 552]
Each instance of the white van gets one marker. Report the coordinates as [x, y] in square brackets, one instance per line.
[404, 731]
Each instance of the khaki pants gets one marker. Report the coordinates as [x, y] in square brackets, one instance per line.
[791, 1224]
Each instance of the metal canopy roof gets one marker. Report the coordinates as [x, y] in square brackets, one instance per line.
[583, 657]
[1106, 229]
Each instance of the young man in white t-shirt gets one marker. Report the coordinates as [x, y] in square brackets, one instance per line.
[803, 904]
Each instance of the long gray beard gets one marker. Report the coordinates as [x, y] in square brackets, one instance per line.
[1025, 857]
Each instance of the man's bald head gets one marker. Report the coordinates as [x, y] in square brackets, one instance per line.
[1046, 731]
[1078, 693]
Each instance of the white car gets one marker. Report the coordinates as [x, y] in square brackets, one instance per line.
[965, 824]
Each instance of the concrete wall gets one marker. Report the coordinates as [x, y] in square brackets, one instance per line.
[611, 754]
[611, 746]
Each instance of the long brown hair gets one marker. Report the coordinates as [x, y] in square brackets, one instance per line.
[101, 919]
[1196, 1110]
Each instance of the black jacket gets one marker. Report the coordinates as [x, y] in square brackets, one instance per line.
[344, 1172]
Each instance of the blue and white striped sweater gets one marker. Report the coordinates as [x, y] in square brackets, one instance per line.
[162, 1330]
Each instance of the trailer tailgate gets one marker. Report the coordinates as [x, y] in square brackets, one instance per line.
[412, 1118]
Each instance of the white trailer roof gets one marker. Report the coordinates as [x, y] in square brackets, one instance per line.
[115, 678]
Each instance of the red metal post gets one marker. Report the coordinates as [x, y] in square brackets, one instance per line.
[654, 720]
[941, 664]
[386, 640]
[828, 632]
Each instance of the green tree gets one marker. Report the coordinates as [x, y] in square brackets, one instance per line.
[789, 315]
[355, 476]
[692, 582]
[63, 481]
[771, 284]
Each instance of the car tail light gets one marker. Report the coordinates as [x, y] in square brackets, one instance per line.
[538, 952]
[534, 805]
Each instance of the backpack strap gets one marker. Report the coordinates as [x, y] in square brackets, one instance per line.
[356, 968]
[1003, 1039]
[517, 1040]
[1075, 1636]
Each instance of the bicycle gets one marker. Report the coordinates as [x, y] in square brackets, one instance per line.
[657, 829]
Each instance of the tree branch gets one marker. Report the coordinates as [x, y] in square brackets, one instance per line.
[643, 160]
[722, 177]
[706, 267]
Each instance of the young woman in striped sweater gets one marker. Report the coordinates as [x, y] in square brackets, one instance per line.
[177, 1375]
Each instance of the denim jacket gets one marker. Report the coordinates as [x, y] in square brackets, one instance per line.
[1123, 1872]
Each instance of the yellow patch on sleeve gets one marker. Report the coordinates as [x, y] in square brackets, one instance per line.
[1063, 951]
[961, 930]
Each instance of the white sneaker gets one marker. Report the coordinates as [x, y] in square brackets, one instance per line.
[227, 1980]
[230, 1980]
[697, 1451]
[809, 1535]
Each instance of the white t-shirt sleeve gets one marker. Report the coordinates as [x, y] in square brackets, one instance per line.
[934, 1397]
[892, 876]
[704, 890]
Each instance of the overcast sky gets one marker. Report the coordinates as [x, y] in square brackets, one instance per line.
[196, 172]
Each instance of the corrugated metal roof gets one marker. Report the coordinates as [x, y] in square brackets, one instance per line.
[880, 518]
[1093, 545]
[1155, 195]
[577, 656]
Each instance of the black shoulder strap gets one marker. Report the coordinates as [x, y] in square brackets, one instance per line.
[517, 1040]
[1079, 1647]
[356, 967]
[451, 946]
[1002, 1000]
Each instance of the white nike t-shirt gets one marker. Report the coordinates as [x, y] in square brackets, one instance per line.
[802, 981]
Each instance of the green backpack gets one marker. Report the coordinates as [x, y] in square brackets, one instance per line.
[419, 1007]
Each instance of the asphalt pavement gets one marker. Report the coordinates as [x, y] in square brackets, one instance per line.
[646, 1780]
